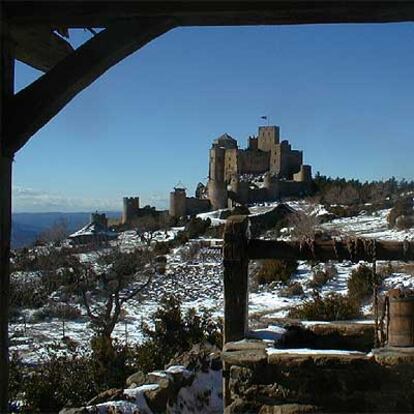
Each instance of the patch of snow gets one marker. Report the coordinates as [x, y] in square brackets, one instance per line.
[203, 396]
[308, 351]
[272, 332]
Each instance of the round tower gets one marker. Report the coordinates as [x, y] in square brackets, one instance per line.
[217, 194]
[217, 161]
[304, 174]
[177, 202]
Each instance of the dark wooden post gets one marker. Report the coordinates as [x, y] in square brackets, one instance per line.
[235, 287]
[6, 92]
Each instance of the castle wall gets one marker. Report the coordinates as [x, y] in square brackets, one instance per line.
[253, 162]
[196, 205]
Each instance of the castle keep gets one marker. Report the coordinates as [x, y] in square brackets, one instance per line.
[267, 170]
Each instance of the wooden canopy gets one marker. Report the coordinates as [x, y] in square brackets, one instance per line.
[34, 22]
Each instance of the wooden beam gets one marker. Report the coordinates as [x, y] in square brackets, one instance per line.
[6, 92]
[39, 47]
[216, 13]
[323, 250]
[235, 261]
[39, 102]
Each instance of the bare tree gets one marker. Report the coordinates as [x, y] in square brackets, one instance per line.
[121, 277]
[56, 233]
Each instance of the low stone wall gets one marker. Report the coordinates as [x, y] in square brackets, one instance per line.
[294, 381]
[191, 384]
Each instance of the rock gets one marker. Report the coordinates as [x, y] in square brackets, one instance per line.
[112, 394]
[289, 409]
[215, 361]
[137, 378]
[239, 406]
[181, 376]
[159, 377]
[157, 399]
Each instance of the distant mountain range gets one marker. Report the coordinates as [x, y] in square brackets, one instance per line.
[26, 227]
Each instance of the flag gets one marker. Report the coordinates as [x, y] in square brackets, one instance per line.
[263, 117]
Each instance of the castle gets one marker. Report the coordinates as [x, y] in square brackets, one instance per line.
[267, 170]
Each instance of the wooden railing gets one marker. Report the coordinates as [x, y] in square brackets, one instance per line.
[238, 249]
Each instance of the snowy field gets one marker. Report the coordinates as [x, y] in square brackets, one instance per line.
[199, 283]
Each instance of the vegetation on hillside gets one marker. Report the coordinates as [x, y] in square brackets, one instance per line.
[334, 191]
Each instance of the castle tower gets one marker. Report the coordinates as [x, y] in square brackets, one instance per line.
[177, 202]
[216, 164]
[99, 219]
[217, 188]
[130, 208]
[268, 137]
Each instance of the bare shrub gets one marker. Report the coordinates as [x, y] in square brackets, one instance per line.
[322, 275]
[360, 283]
[276, 271]
[56, 233]
[386, 270]
[333, 307]
[63, 311]
[293, 289]
[190, 251]
[303, 225]
[402, 208]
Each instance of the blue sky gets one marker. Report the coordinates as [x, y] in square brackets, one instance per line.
[341, 93]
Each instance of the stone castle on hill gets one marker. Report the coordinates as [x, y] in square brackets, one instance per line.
[233, 171]
[267, 170]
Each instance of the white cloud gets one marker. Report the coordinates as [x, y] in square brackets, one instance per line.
[34, 200]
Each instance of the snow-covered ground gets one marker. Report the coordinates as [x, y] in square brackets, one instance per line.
[199, 283]
[370, 226]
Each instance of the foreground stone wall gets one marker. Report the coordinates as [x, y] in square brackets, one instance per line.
[261, 381]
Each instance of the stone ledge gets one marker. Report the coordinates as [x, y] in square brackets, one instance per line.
[247, 357]
[320, 358]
